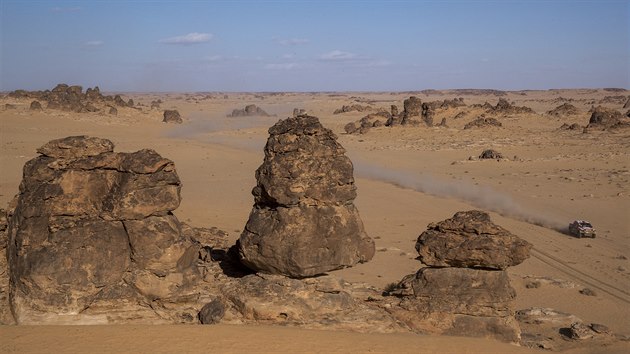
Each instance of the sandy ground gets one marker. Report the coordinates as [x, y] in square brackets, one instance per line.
[406, 178]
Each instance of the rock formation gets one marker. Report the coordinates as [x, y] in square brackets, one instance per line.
[465, 289]
[303, 222]
[627, 104]
[505, 107]
[248, 111]
[564, 110]
[606, 118]
[483, 122]
[352, 108]
[92, 234]
[491, 154]
[172, 116]
[72, 98]
[363, 125]
[36, 106]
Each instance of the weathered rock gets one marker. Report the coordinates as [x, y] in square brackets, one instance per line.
[113, 111]
[394, 110]
[459, 301]
[248, 111]
[412, 107]
[36, 106]
[350, 128]
[172, 116]
[482, 122]
[323, 302]
[212, 312]
[470, 239]
[92, 235]
[505, 107]
[352, 108]
[573, 126]
[627, 104]
[491, 154]
[303, 222]
[8, 106]
[6, 317]
[298, 112]
[563, 110]
[603, 118]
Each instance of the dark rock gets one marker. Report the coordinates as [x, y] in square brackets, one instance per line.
[603, 118]
[19, 94]
[36, 106]
[394, 110]
[119, 101]
[248, 111]
[412, 107]
[212, 312]
[579, 330]
[172, 116]
[427, 114]
[92, 236]
[113, 111]
[304, 222]
[573, 126]
[483, 122]
[627, 104]
[505, 107]
[298, 112]
[564, 110]
[350, 128]
[588, 292]
[470, 239]
[491, 154]
[352, 108]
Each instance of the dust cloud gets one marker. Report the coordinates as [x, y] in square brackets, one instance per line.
[478, 196]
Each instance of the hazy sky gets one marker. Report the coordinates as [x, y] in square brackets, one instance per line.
[314, 45]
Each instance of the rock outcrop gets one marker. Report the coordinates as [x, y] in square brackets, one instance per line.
[92, 235]
[564, 110]
[606, 118]
[352, 108]
[304, 222]
[483, 122]
[248, 111]
[72, 98]
[172, 116]
[36, 106]
[465, 289]
[504, 107]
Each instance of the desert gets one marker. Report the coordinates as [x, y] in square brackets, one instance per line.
[540, 177]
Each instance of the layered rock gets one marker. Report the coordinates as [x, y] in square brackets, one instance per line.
[304, 222]
[352, 108]
[92, 235]
[505, 107]
[465, 289]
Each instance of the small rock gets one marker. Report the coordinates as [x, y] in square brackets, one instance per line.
[172, 116]
[212, 312]
[588, 292]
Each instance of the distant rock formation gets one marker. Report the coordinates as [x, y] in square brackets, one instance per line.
[172, 116]
[465, 289]
[248, 111]
[72, 99]
[505, 107]
[363, 125]
[352, 108]
[606, 118]
[92, 235]
[564, 110]
[483, 122]
[304, 222]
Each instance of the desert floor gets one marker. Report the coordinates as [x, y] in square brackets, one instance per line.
[407, 177]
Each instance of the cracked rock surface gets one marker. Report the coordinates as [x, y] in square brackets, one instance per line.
[304, 222]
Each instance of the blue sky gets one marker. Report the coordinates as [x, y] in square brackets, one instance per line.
[314, 45]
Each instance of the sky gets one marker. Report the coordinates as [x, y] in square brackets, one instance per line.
[169, 46]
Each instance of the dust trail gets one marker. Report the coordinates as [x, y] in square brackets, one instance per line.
[481, 197]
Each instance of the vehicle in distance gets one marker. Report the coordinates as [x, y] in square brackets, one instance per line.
[581, 228]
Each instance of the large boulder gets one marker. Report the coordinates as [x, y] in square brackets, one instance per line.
[304, 222]
[172, 116]
[604, 118]
[92, 234]
[470, 239]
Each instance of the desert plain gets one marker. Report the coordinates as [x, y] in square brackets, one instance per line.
[406, 176]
